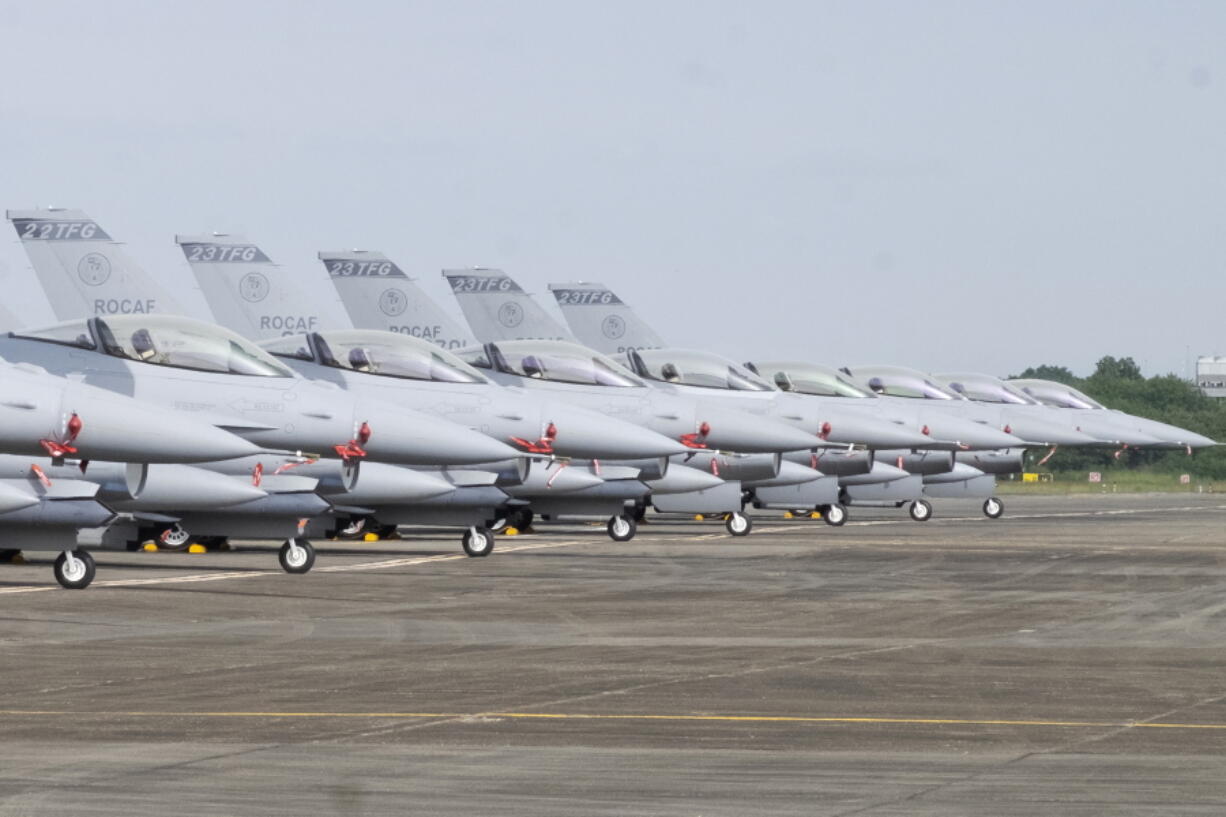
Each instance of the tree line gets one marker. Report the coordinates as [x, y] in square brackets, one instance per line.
[1118, 383]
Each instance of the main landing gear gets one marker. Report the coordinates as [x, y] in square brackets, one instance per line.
[74, 569]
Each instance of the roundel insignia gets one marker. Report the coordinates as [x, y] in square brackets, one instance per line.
[94, 268]
[253, 287]
[510, 314]
[613, 327]
[393, 302]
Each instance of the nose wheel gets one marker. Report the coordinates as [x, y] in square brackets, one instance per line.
[622, 528]
[738, 524]
[297, 555]
[74, 569]
[835, 515]
[993, 508]
[920, 510]
[477, 541]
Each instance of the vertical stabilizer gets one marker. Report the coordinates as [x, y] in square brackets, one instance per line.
[251, 295]
[497, 308]
[83, 271]
[378, 295]
[601, 320]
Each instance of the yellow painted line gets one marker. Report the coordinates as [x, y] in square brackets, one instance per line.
[578, 716]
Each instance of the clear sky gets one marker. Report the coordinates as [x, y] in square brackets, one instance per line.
[970, 185]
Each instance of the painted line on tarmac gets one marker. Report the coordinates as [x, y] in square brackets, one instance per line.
[255, 574]
[579, 716]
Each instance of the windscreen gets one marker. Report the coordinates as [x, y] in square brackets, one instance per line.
[895, 381]
[985, 389]
[689, 368]
[1058, 395]
[394, 355]
[808, 378]
[183, 343]
[561, 363]
[71, 333]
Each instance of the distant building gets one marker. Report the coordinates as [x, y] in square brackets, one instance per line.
[1211, 376]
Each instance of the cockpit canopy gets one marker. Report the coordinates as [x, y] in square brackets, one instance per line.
[553, 360]
[691, 368]
[1051, 393]
[898, 381]
[983, 388]
[377, 352]
[809, 378]
[164, 340]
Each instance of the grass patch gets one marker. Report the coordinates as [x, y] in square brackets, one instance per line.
[1121, 482]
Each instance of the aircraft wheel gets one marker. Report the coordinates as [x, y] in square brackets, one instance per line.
[993, 508]
[622, 528]
[74, 569]
[297, 555]
[478, 541]
[920, 510]
[175, 537]
[738, 524]
[835, 515]
[523, 519]
[639, 512]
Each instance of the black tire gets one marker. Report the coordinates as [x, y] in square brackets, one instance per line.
[296, 555]
[993, 508]
[835, 515]
[175, 538]
[622, 528]
[639, 512]
[81, 573]
[521, 519]
[478, 542]
[738, 524]
[920, 510]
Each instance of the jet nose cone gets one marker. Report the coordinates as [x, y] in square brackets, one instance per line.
[1040, 431]
[1110, 429]
[590, 435]
[969, 434]
[412, 438]
[851, 427]
[132, 431]
[731, 430]
[1174, 434]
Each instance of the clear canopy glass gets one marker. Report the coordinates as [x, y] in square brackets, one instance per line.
[810, 378]
[897, 381]
[389, 354]
[557, 361]
[1051, 393]
[73, 333]
[184, 343]
[692, 368]
[984, 388]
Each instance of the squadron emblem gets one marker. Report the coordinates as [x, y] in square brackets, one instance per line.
[94, 269]
[253, 287]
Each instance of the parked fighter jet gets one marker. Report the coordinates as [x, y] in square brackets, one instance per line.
[60, 434]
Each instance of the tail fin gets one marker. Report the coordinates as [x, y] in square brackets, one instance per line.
[496, 308]
[378, 295]
[251, 295]
[82, 270]
[601, 320]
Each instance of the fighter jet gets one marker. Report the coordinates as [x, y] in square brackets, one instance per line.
[901, 470]
[70, 242]
[401, 369]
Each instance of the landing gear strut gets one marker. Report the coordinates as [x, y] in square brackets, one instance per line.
[920, 510]
[622, 528]
[74, 569]
[478, 541]
[297, 555]
[738, 524]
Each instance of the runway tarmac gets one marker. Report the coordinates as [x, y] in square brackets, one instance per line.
[1067, 659]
